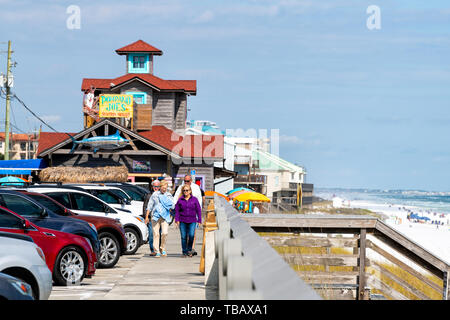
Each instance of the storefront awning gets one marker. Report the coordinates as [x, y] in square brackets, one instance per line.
[14, 167]
[223, 173]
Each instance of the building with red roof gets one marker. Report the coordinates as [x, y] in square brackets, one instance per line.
[22, 146]
[156, 101]
[155, 140]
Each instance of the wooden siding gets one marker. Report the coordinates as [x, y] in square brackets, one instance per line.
[136, 86]
[164, 109]
[180, 112]
[207, 172]
[142, 117]
[168, 108]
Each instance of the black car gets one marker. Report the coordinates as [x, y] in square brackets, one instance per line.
[44, 217]
[135, 192]
[12, 288]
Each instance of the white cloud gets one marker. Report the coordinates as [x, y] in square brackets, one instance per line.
[290, 139]
[51, 118]
[204, 17]
[299, 141]
[252, 10]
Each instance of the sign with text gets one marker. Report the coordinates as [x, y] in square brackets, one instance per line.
[115, 106]
[141, 166]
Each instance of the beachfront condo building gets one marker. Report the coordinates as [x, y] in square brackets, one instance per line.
[21, 145]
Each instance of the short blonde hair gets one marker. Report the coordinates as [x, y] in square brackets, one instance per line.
[164, 183]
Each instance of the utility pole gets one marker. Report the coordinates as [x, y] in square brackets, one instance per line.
[8, 101]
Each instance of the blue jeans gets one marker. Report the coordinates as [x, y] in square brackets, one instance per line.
[187, 231]
[150, 235]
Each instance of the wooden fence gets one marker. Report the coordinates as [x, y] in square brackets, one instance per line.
[354, 257]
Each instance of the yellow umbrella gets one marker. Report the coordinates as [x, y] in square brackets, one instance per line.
[252, 196]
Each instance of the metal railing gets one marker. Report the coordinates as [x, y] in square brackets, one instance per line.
[247, 267]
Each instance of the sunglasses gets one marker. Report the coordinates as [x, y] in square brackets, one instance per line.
[187, 180]
[186, 190]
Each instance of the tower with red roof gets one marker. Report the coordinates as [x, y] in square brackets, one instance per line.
[157, 101]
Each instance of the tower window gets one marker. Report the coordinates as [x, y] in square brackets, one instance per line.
[139, 62]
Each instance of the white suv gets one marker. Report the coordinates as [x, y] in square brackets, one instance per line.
[20, 257]
[113, 196]
[81, 202]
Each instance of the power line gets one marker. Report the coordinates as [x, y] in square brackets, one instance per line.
[35, 115]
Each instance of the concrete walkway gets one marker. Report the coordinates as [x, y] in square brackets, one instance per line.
[142, 277]
[167, 278]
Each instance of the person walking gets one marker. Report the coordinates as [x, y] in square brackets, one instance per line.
[196, 192]
[147, 209]
[162, 202]
[188, 214]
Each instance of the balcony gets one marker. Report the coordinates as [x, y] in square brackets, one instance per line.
[251, 179]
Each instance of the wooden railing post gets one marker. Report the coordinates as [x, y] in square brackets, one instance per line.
[209, 224]
[362, 266]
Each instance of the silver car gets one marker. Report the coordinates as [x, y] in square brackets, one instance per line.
[20, 257]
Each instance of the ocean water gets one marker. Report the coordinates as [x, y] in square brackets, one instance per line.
[438, 202]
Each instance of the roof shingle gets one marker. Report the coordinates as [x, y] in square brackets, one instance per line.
[139, 46]
[161, 84]
[189, 146]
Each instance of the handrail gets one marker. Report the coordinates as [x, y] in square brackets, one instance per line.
[248, 267]
[359, 225]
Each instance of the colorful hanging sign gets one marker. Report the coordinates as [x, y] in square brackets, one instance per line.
[116, 106]
[141, 166]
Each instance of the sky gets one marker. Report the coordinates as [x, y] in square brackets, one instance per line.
[358, 107]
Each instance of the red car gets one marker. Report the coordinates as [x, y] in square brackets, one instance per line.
[113, 242]
[69, 257]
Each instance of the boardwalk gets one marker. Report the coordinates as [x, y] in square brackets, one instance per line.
[141, 277]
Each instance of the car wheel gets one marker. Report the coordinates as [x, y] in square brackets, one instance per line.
[109, 250]
[70, 266]
[132, 241]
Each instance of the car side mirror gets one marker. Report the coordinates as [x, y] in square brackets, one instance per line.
[25, 224]
[44, 213]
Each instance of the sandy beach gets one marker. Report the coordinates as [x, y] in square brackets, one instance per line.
[432, 237]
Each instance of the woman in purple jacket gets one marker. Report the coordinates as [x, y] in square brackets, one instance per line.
[187, 214]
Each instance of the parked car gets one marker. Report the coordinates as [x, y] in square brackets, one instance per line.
[81, 202]
[21, 258]
[111, 234]
[135, 192]
[12, 288]
[68, 256]
[114, 196]
[40, 215]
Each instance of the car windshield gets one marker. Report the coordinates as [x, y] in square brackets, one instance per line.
[120, 193]
[49, 204]
[106, 196]
[134, 194]
[20, 205]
